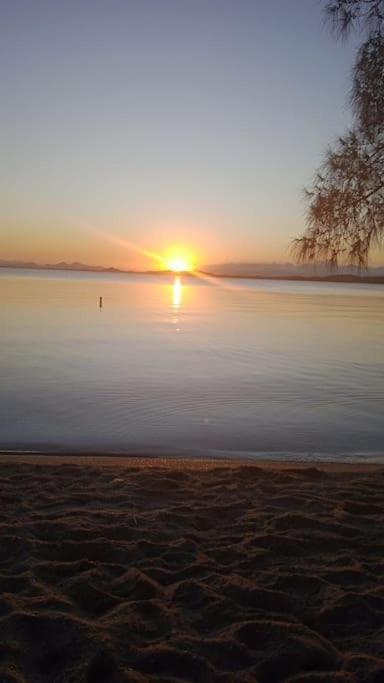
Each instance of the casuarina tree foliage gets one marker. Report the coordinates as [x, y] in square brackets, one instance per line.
[345, 214]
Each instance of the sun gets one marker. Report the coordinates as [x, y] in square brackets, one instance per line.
[179, 262]
[179, 265]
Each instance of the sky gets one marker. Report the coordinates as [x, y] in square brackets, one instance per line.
[128, 127]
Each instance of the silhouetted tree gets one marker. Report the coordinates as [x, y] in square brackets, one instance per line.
[345, 215]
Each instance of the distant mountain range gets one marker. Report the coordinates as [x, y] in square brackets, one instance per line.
[57, 266]
[279, 271]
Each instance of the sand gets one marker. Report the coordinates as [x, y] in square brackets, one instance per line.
[173, 570]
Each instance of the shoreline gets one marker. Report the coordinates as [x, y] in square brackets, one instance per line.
[130, 460]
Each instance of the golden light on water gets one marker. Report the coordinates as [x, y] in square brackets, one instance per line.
[177, 293]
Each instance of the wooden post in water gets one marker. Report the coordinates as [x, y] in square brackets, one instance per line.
[101, 302]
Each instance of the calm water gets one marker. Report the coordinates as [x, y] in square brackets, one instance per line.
[184, 366]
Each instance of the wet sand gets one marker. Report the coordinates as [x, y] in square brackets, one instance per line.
[129, 570]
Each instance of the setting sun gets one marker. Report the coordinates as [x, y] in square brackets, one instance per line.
[179, 261]
[179, 265]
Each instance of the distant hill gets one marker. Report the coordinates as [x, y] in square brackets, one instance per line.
[76, 267]
[58, 266]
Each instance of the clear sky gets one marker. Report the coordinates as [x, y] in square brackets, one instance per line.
[159, 122]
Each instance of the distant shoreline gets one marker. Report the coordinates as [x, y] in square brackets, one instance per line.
[342, 278]
[378, 280]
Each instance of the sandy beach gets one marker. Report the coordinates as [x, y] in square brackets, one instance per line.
[133, 570]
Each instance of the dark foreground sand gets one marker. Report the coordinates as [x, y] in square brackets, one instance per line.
[126, 570]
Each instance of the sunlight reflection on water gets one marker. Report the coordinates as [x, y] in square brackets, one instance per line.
[255, 366]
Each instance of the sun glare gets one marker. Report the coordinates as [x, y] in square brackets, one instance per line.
[179, 262]
[178, 265]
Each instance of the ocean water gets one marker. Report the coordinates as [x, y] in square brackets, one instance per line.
[182, 365]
